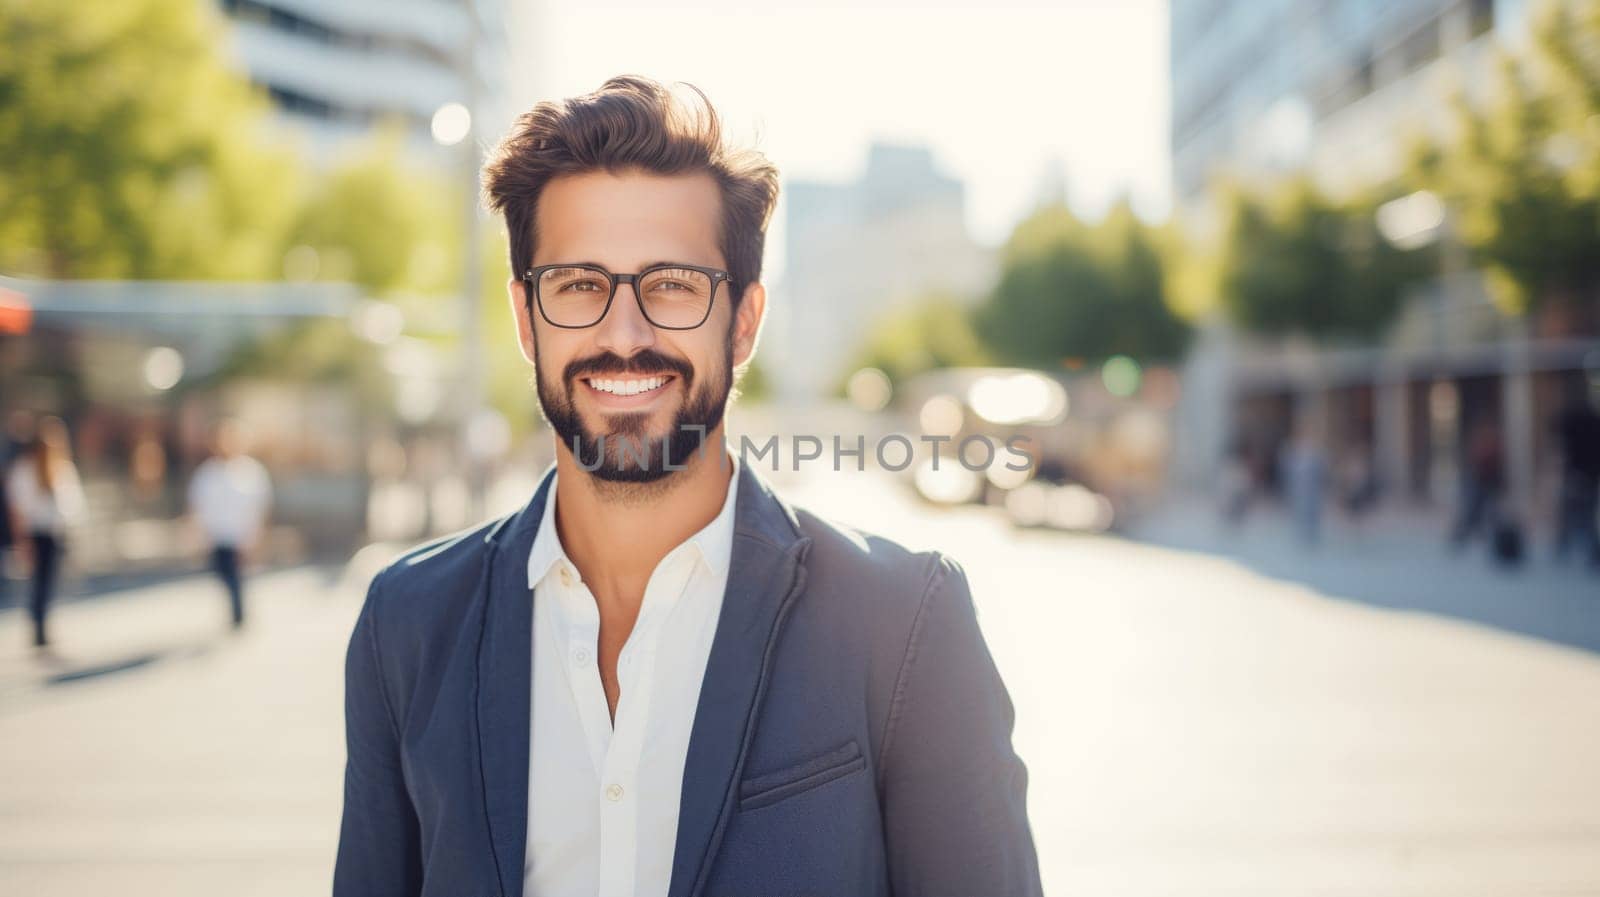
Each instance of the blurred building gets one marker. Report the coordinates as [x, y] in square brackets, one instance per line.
[142, 370]
[857, 250]
[338, 68]
[1266, 86]
[1338, 90]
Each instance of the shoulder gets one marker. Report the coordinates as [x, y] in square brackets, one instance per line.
[260, 480]
[444, 566]
[877, 576]
[439, 560]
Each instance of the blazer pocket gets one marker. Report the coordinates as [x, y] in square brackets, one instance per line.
[814, 772]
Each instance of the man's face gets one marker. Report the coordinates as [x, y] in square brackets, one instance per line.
[621, 388]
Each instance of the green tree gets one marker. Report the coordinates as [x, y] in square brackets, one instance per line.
[1522, 172]
[131, 149]
[1298, 262]
[933, 332]
[1073, 290]
[377, 221]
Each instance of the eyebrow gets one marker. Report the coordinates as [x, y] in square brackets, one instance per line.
[641, 267]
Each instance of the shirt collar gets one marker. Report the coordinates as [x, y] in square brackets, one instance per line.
[547, 550]
[714, 541]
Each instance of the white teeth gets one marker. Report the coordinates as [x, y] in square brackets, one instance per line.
[628, 387]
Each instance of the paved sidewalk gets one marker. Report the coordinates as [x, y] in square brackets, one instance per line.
[1191, 725]
[1399, 560]
[162, 755]
[1195, 728]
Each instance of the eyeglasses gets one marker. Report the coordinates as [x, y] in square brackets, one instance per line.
[671, 296]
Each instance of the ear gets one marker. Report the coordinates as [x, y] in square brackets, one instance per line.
[747, 323]
[518, 293]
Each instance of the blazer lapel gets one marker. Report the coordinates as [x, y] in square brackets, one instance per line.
[765, 575]
[505, 673]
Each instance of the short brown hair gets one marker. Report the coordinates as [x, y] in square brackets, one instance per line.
[632, 122]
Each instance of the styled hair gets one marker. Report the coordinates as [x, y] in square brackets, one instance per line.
[632, 123]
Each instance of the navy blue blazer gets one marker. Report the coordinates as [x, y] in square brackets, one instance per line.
[852, 737]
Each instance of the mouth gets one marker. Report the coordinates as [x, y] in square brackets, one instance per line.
[627, 392]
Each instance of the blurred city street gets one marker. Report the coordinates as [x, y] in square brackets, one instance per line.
[164, 756]
[1245, 355]
[1191, 725]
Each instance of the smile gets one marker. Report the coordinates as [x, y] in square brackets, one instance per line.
[632, 386]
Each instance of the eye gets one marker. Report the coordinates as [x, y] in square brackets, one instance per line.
[572, 280]
[689, 283]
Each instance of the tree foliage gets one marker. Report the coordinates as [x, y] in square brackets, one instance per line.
[130, 148]
[1522, 172]
[380, 222]
[1297, 262]
[935, 332]
[134, 150]
[1068, 289]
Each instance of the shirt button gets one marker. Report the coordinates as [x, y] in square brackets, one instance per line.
[566, 576]
[580, 655]
[613, 792]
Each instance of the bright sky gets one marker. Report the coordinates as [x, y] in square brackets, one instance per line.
[1000, 90]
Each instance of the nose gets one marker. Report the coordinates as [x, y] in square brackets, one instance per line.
[624, 330]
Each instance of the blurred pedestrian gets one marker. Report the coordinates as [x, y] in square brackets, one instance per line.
[1305, 478]
[1578, 432]
[18, 434]
[1482, 482]
[46, 499]
[230, 496]
[1238, 482]
[1359, 487]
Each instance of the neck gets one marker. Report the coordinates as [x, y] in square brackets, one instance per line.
[616, 533]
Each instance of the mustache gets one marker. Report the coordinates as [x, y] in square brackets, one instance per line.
[645, 361]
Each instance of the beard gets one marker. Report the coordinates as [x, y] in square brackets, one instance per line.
[627, 452]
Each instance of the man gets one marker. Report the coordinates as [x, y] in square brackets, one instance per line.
[658, 678]
[229, 496]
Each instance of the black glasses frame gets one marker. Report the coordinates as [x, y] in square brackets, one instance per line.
[530, 282]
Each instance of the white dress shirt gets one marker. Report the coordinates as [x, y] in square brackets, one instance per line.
[603, 798]
[44, 511]
[230, 497]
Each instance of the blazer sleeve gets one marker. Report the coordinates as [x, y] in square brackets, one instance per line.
[954, 791]
[379, 840]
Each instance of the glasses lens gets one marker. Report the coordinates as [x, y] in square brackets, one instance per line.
[573, 297]
[675, 297]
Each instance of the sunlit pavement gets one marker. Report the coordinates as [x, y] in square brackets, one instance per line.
[1190, 727]
[170, 757]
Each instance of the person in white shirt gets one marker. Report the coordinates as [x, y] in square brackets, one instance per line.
[230, 496]
[46, 498]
